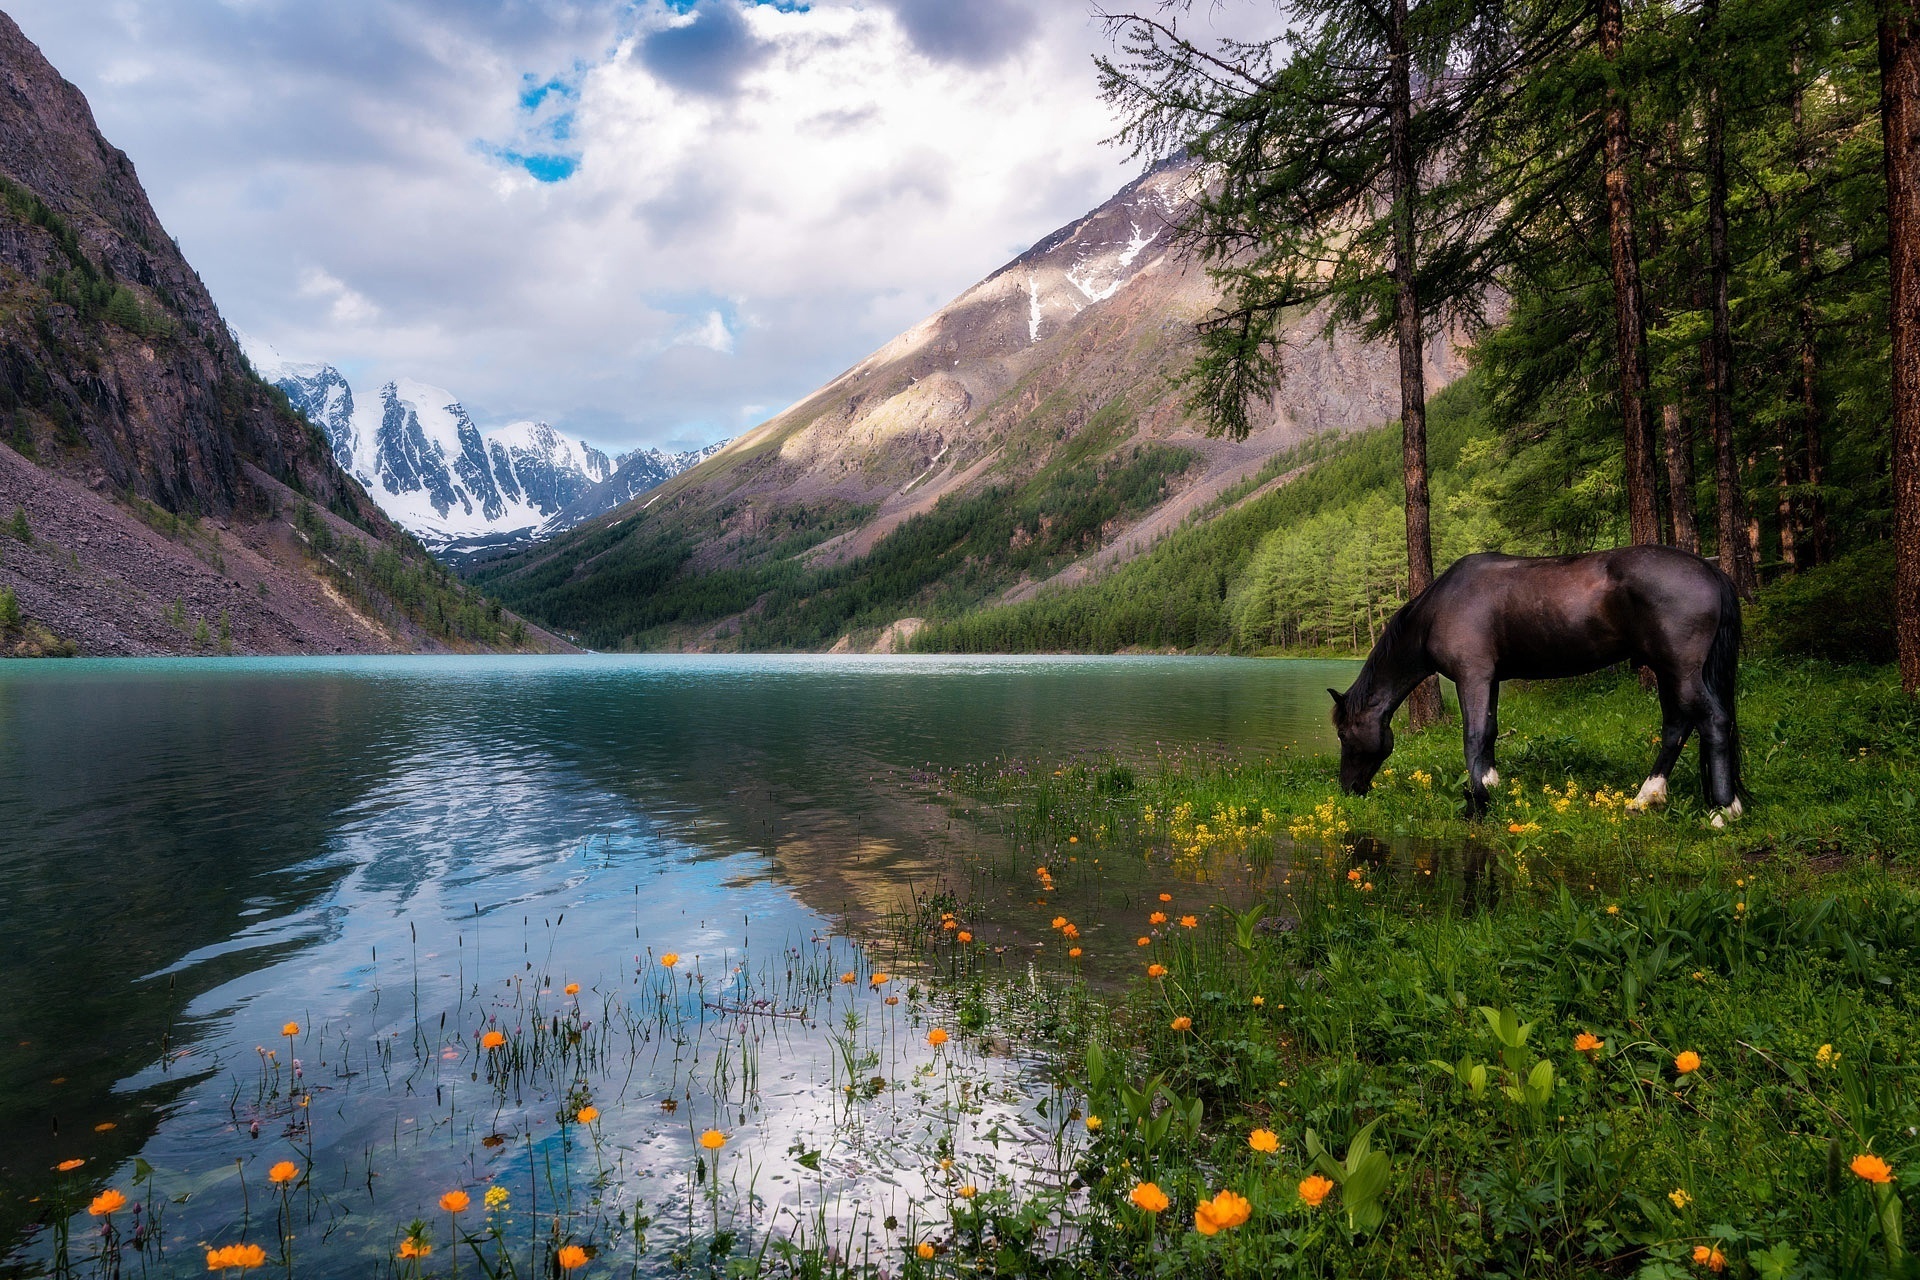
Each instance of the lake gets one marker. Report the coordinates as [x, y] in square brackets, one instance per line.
[397, 857]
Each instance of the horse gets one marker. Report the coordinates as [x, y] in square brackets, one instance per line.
[1493, 617]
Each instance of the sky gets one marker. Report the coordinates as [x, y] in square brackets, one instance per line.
[649, 222]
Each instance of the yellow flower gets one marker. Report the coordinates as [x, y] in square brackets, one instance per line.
[107, 1202]
[1871, 1167]
[1827, 1057]
[1686, 1062]
[496, 1198]
[455, 1201]
[937, 1037]
[1189, 922]
[670, 959]
[1710, 1258]
[1315, 1189]
[573, 988]
[1156, 971]
[1587, 1042]
[571, 1257]
[1613, 909]
[1259, 1002]
[1158, 917]
[492, 1040]
[1679, 1197]
[1227, 1209]
[967, 1192]
[1182, 1023]
[925, 1251]
[713, 1139]
[1094, 1123]
[588, 1114]
[291, 1029]
[285, 1171]
[1146, 1195]
[1264, 1140]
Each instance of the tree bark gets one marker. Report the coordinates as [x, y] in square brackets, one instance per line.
[1900, 132]
[1679, 446]
[1731, 527]
[1629, 313]
[1423, 707]
[1808, 471]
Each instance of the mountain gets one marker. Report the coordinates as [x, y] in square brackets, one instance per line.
[156, 496]
[459, 490]
[1025, 437]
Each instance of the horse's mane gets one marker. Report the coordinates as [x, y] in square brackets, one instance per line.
[1383, 649]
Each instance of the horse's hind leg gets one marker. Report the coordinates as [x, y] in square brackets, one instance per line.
[1675, 725]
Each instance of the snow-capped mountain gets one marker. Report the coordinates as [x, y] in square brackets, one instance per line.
[457, 488]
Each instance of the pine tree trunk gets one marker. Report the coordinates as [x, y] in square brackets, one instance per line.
[1809, 470]
[1736, 560]
[1679, 446]
[1900, 132]
[1423, 707]
[1630, 324]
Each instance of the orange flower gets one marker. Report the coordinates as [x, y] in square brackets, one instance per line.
[1147, 1196]
[455, 1201]
[492, 1040]
[670, 959]
[1059, 922]
[1166, 897]
[1686, 1062]
[713, 1139]
[1071, 931]
[937, 1037]
[925, 1250]
[1354, 874]
[285, 1171]
[948, 924]
[1074, 953]
[1514, 828]
[1158, 917]
[68, 1166]
[1264, 1140]
[879, 980]
[1143, 942]
[1315, 1189]
[571, 1257]
[412, 1247]
[1189, 922]
[847, 977]
[967, 1192]
[1872, 1168]
[1710, 1258]
[1226, 1210]
[242, 1256]
[107, 1202]
[964, 937]
[573, 988]
[587, 1114]
[1587, 1042]
[291, 1029]
[893, 1000]
[1156, 971]
[1182, 1023]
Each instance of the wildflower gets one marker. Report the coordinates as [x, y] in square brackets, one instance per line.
[1367, 887]
[925, 1251]
[1315, 1189]
[964, 937]
[893, 1000]
[285, 1171]
[587, 1115]
[1227, 1209]
[1074, 953]
[948, 924]
[1514, 828]
[291, 1029]
[937, 1037]
[229, 1257]
[68, 1166]
[1094, 1123]
[1156, 971]
[1166, 897]
[571, 1257]
[492, 1040]
[1259, 1002]
[1871, 1167]
[713, 1139]
[1827, 1057]
[1146, 1195]
[1158, 917]
[1143, 942]
[1613, 908]
[414, 1247]
[496, 1198]
[1073, 839]
[847, 977]
[108, 1201]
[1679, 1197]
[670, 959]
[1182, 1023]
[1738, 907]
[1264, 1140]
[879, 980]
[1422, 777]
[1699, 976]
[967, 1192]
[1686, 1062]
[1709, 1257]
[455, 1201]
[1354, 874]
[1059, 922]
[1587, 1042]
[1070, 931]
[573, 988]
[1189, 922]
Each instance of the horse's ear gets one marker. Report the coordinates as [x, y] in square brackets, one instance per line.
[1339, 698]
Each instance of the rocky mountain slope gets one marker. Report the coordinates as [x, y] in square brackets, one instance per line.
[1027, 434]
[156, 495]
[460, 490]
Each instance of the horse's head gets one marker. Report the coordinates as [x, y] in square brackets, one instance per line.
[1366, 740]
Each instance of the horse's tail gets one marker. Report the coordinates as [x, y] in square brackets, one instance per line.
[1722, 671]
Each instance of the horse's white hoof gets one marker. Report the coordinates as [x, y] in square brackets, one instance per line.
[1735, 809]
[1653, 792]
[1718, 821]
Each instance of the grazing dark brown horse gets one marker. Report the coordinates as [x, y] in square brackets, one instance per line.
[1494, 617]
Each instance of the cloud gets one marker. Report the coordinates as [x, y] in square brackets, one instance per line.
[554, 214]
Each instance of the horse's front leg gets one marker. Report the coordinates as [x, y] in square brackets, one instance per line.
[1479, 715]
[1675, 725]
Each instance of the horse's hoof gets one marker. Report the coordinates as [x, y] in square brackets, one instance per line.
[1653, 792]
[1718, 822]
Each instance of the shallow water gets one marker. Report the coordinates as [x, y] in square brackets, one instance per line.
[398, 853]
